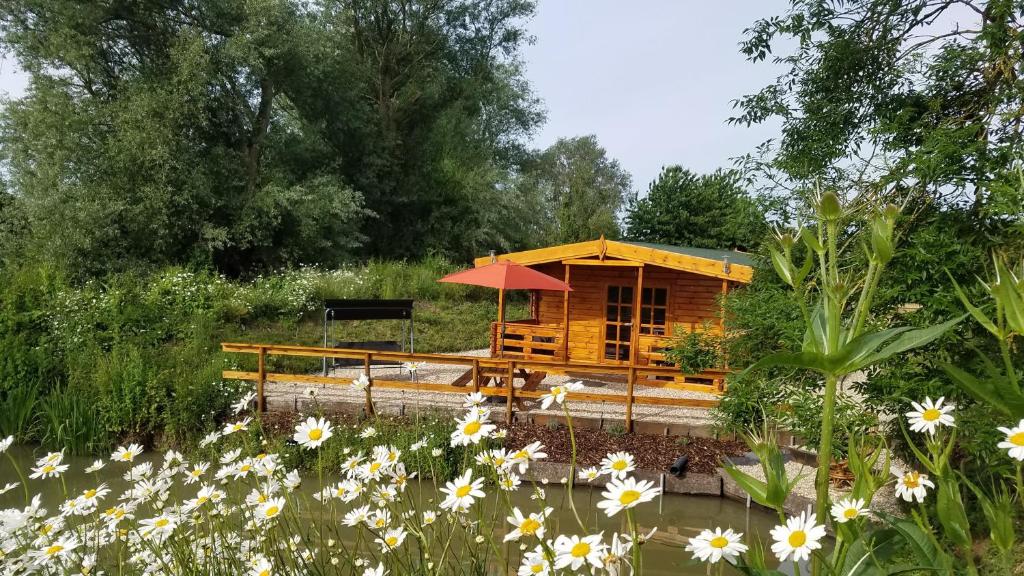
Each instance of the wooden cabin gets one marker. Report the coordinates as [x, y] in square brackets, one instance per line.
[629, 299]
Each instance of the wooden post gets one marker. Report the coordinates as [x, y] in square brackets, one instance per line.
[476, 375]
[501, 323]
[630, 383]
[565, 319]
[509, 392]
[261, 379]
[634, 334]
[369, 395]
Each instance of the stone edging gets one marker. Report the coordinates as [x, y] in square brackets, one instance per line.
[718, 484]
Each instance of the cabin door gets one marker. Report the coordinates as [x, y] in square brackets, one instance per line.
[618, 324]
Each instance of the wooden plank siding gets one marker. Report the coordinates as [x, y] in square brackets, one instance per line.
[692, 301]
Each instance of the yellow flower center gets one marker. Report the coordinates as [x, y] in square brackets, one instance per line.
[719, 542]
[1017, 439]
[851, 513]
[265, 573]
[471, 428]
[556, 390]
[195, 473]
[619, 465]
[55, 549]
[930, 415]
[521, 454]
[537, 568]
[46, 529]
[529, 526]
[315, 434]
[201, 500]
[797, 538]
[912, 480]
[89, 493]
[245, 467]
[463, 491]
[580, 549]
[47, 469]
[127, 456]
[391, 540]
[375, 466]
[628, 497]
[272, 511]
[161, 522]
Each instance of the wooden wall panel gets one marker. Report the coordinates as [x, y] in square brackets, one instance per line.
[692, 301]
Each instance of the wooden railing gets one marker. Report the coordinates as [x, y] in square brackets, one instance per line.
[479, 371]
[527, 340]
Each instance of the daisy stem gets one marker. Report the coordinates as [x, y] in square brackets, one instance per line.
[637, 557]
[572, 466]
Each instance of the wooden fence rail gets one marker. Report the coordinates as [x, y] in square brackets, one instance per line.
[479, 370]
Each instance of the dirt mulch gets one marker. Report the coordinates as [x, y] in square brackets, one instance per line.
[652, 452]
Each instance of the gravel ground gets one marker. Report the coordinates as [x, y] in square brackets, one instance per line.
[291, 394]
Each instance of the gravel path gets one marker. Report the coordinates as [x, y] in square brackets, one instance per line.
[293, 395]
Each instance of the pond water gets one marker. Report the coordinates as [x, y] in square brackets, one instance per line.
[677, 517]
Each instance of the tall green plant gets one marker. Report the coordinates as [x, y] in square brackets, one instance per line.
[838, 340]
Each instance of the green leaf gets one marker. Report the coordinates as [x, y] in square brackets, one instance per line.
[919, 543]
[808, 360]
[1009, 296]
[783, 267]
[998, 393]
[851, 354]
[755, 488]
[976, 312]
[908, 341]
[952, 515]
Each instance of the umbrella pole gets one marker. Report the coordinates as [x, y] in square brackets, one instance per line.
[501, 319]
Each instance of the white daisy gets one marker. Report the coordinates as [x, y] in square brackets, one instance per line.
[927, 417]
[462, 491]
[96, 466]
[473, 399]
[622, 494]
[532, 525]
[126, 454]
[158, 528]
[6, 443]
[574, 552]
[378, 571]
[8, 487]
[368, 432]
[913, 485]
[59, 550]
[232, 427]
[472, 428]
[557, 394]
[798, 537]
[1014, 442]
[618, 464]
[711, 546]
[534, 564]
[848, 509]
[360, 383]
[243, 402]
[527, 454]
[270, 509]
[262, 567]
[48, 471]
[392, 539]
[312, 433]
[209, 439]
[589, 474]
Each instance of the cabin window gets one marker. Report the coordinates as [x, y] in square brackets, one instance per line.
[653, 311]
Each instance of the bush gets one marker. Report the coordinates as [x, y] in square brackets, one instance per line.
[695, 351]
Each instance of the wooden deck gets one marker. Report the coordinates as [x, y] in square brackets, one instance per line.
[489, 376]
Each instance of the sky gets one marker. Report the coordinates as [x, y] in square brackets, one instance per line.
[652, 79]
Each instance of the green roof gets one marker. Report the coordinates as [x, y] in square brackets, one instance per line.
[742, 258]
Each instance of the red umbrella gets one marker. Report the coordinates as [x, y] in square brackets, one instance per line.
[506, 275]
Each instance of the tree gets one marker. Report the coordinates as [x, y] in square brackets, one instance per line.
[703, 211]
[253, 135]
[583, 191]
[900, 98]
